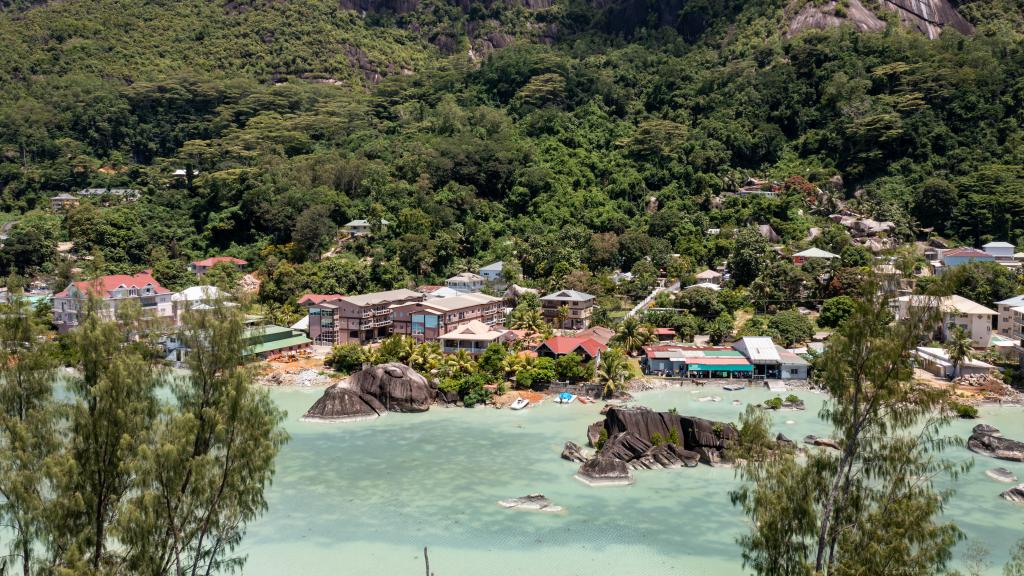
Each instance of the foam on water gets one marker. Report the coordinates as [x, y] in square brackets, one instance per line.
[364, 498]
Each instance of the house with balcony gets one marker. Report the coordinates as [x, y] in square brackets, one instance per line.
[474, 337]
[63, 202]
[355, 319]
[427, 320]
[955, 311]
[465, 282]
[568, 309]
[114, 291]
[1006, 325]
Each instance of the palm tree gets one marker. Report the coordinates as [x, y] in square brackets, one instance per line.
[461, 362]
[613, 371]
[527, 319]
[426, 357]
[632, 335]
[960, 348]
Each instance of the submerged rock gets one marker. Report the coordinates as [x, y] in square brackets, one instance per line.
[782, 439]
[1015, 494]
[602, 471]
[989, 444]
[573, 453]
[986, 429]
[1001, 475]
[826, 442]
[340, 404]
[534, 502]
[398, 387]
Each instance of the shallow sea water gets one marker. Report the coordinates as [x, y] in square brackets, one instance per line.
[364, 498]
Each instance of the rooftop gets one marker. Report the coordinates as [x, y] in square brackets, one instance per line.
[999, 245]
[816, 253]
[209, 262]
[387, 297]
[708, 275]
[567, 296]
[758, 348]
[947, 304]
[1015, 301]
[108, 284]
[965, 252]
[465, 277]
[567, 344]
[199, 293]
[475, 330]
[318, 298]
[493, 267]
[450, 303]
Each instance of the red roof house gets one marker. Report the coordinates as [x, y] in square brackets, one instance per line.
[114, 290]
[561, 345]
[199, 267]
[318, 298]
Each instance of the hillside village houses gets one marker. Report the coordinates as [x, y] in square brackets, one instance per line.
[465, 282]
[579, 307]
[200, 267]
[1002, 253]
[956, 311]
[114, 291]
[1011, 317]
[361, 227]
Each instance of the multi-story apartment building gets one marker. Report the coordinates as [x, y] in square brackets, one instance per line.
[114, 291]
[359, 319]
[576, 316]
[1005, 324]
[429, 319]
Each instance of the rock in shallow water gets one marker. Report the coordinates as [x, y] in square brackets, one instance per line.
[825, 442]
[1015, 494]
[601, 471]
[533, 502]
[340, 404]
[573, 453]
[1001, 474]
[398, 387]
[987, 443]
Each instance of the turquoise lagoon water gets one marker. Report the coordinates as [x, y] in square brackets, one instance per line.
[364, 498]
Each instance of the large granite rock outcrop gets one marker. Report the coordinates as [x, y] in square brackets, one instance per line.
[987, 441]
[339, 404]
[644, 439]
[398, 387]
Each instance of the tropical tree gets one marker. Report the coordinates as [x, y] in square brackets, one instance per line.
[632, 335]
[29, 445]
[960, 348]
[561, 315]
[460, 363]
[527, 318]
[870, 507]
[426, 357]
[613, 370]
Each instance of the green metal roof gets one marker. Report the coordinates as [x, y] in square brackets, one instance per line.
[273, 345]
[723, 354]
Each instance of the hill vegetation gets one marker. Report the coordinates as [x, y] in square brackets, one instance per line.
[562, 136]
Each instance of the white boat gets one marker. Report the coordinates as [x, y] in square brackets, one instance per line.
[565, 398]
[519, 404]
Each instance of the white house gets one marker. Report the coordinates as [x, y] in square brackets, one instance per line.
[1000, 250]
[196, 298]
[362, 227]
[956, 311]
[465, 282]
[813, 253]
[492, 272]
[114, 291]
[1005, 323]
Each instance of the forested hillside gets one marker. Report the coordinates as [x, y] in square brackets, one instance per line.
[566, 136]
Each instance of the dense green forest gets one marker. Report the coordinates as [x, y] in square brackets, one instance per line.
[570, 137]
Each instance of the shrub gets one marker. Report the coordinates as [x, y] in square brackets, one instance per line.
[602, 438]
[965, 410]
[345, 358]
[792, 399]
[773, 403]
[657, 439]
[673, 437]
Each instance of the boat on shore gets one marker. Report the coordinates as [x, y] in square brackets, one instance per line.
[565, 398]
[519, 404]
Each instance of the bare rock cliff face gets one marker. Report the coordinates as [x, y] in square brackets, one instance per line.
[929, 17]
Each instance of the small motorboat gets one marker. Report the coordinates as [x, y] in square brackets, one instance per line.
[519, 404]
[565, 398]
[734, 387]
